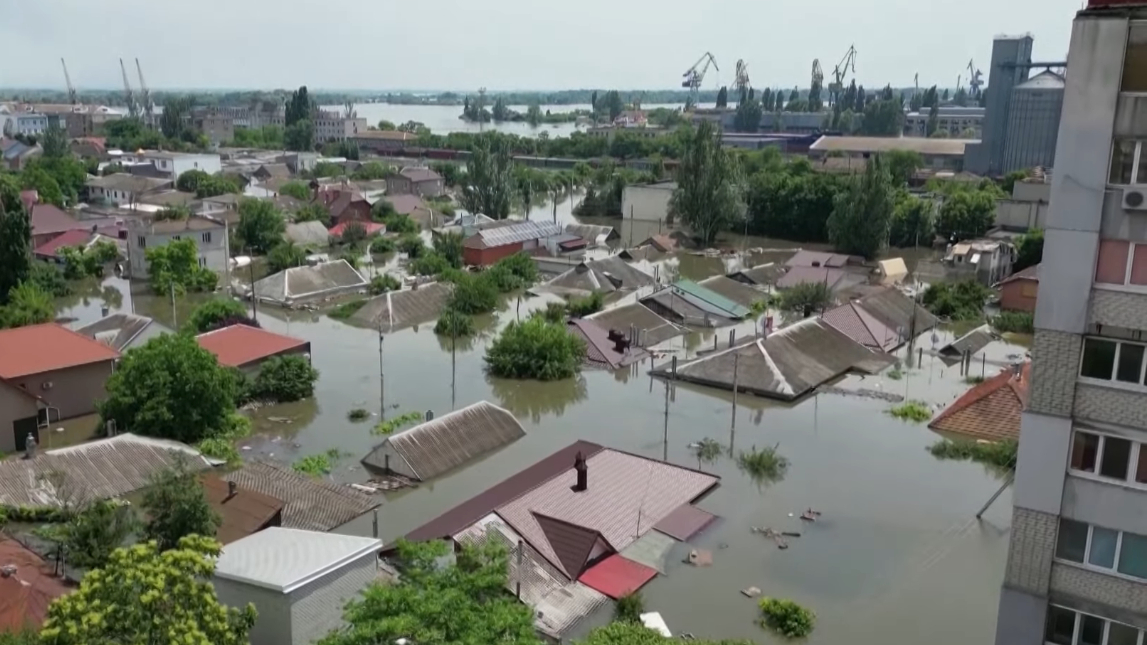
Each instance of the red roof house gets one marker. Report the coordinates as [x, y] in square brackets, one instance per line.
[372, 228]
[27, 588]
[248, 347]
[989, 411]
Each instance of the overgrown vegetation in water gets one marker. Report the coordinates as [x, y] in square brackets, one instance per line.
[388, 426]
[765, 465]
[974, 380]
[629, 608]
[346, 310]
[786, 617]
[1001, 454]
[1018, 322]
[455, 324]
[896, 373]
[318, 465]
[357, 415]
[222, 445]
[707, 450]
[917, 411]
[581, 307]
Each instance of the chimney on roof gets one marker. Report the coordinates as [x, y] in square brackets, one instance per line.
[232, 490]
[582, 474]
[1018, 371]
[8, 570]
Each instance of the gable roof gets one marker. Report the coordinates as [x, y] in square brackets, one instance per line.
[651, 329]
[117, 330]
[734, 290]
[1030, 273]
[897, 311]
[419, 174]
[239, 345]
[599, 349]
[892, 270]
[308, 282]
[801, 275]
[972, 342]
[854, 321]
[805, 258]
[443, 444]
[75, 237]
[47, 218]
[240, 513]
[283, 559]
[371, 228]
[128, 183]
[310, 233]
[991, 410]
[25, 594]
[706, 299]
[762, 274]
[395, 310]
[406, 204]
[786, 365]
[605, 275]
[571, 543]
[308, 503]
[511, 233]
[36, 349]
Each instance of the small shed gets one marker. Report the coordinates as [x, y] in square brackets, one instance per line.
[443, 444]
[307, 234]
[299, 581]
[308, 503]
[761, 275]
[605, 348]
[246, 348]
[1018, 292]
[608, 275]
[891, 271]
[970, 343]
[241, 511]
[689, 303]
[734, 290]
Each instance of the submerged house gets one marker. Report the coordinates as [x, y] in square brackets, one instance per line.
[307, 284]
[762, 275]
[594, 234]
[395, 310]
[594, 524]
[606, 348]
[611, 276]
[246, 348]
[739, 292]
[440, 445]
[991, 410]
[308, 503]
[644, 326]
[967, 345]
[123, 331]
[786, 365]
[688, 303]
[881, 321]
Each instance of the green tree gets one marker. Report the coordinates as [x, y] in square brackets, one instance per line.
[449, 246]
[285, 255]
[794, 96]
[371, 170]
[883, 118]
[461, 604]
[472, 295]
[36, 178]
[535, 349]
[912, 222]
[1029, 250]
[313, 213]
[15, 238]
[489, 178]
[176, 506]
[286, 378]
[722, 97]
[1008, 183]
[71, 174]
[806, 298]
[175, 111]
[299, 136]
[962, 300]
[216, 314]
[214, 185]
[634, 633]
[748, 116]
[54, 143]
[861, 214]
[966, 214]
[902, 165]
[145, 596]
[299, 107]
[175, 267]
[296, 189]
[189, 180]
[89, 538]
[707, 196]
[385, 125]
[261, 225]
[614, 104]
[169, 388]
[28, 304]
[534, 115]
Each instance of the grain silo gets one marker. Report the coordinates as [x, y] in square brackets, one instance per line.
[1033, 122]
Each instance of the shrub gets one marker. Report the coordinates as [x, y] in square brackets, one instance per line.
[917, 411]
[49, 280]
[216, 314]
[351, 257]
[591, 304]
[453, 323]
[286, 378]
[766, 464]
[1019, 322]
[357, 415]
[535, 349]
[522, 266]
[629, 608]
[555, 312]
[472, 295]
[962, 300]
[380, 245]
[384, 282]
[895, 373]
[806, 297]
[296, 189]
[411, 245]
[432, 263]
[997, 453]
[285, 255]
[786, 617]
[316, 465]
[388, 426]
[346, 310]
[353, 233]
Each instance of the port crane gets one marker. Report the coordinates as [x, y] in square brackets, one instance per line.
[974, 79]
[129, 96]
[696, 74]
[741, 81]
[846, 64]
[817, 75]
[147, 107]
[72, 99]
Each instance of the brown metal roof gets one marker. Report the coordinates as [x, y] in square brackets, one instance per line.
[685, 522]
[26, 593]
[571, 543]
[483, 503]
[241, 513]
[310, 504]
[651, 328]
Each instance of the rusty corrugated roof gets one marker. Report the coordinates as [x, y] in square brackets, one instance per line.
[310, 504]
[27, 592]
[240, 514]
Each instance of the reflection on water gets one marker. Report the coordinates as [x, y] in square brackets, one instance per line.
[534, 399]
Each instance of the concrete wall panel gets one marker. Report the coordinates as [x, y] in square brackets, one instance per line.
[1041, 465]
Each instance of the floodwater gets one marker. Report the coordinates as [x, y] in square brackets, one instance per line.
[443, 119]
[897, 549]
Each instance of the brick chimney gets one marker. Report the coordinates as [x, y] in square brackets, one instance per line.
[582, 474]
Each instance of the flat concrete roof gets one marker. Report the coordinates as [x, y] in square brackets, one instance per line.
[925, 146]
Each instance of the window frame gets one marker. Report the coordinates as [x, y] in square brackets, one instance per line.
[1136, 157]
[1112, 382]
[1126, 285]
[1132, 460]
[1078, 624]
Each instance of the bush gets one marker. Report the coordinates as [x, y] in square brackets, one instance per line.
[216, 314]
[1019, 322]
[591, 304]
[629, 608]
[353, 233]
[411, 245]
[388, 426]
[432, 263]
[472, 295]
[917, 411]
[452, 323]
[351, 257]
[806, 298]
[555, 312]
[766, 464]
[962, 300]
[384, 282]
[535, 349]
[49, 280]
[314, 465]
[346, 310]
[380, 245]
[357, 415]
[296, 189]
[999, 453]
[522, 266]
[786, 617]
[285, 255]
[286, 378]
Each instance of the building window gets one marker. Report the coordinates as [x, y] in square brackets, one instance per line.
[1111, 360]
[1125, 163]
[202, 262]
[1097, 547]
[1069, 627]
[1135, 60]
[1121, 263]
[207, 237]
[141, 241]
[1108, 457]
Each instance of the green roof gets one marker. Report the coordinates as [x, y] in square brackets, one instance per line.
[719, 302]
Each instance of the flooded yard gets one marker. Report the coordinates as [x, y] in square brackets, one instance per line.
[897, 549]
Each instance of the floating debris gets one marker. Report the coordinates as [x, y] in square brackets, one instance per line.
[863, 393]
[700, 558]
[384, 483]
[751, 592]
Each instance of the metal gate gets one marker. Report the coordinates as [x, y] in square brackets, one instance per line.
[22, 428]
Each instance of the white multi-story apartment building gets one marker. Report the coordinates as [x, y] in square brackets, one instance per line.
[25, 123]
[1076, 572]
[210, 236]
[332, 126]
[174, 164]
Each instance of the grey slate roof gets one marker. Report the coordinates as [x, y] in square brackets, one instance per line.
[593, 234]
[310, 504]
[787, 365]
[92, 471]
[606, 275]
[301, 284]
[283, 559]
[443, 444]
[897, 310]
[738, 292]
[128, 183]
[971, 342]
[120, 329]
[761, 274]
[396, 310]
[652, 329]
[309, 234]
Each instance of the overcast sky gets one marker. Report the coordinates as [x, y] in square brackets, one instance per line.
[507, 44]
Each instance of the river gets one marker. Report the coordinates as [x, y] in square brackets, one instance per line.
[897, 550]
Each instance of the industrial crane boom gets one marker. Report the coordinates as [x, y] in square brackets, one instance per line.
[974, 78]
[145, 94]
[846, 64]
[132, 109]
[68, 79]
[694, 76]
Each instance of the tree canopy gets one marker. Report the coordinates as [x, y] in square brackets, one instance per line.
[15, 238]
[176, 506]
[707, 196]
[862, 213]
[175, 267]
[488, 183]
[218, 313]
[535, 349]
[1029, 249]
[169, 388]
[966, 214]
[146, 596]
[261, 225]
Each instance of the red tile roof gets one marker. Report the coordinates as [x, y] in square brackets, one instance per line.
[51, 248]
[25, 594]
[991, 410]
[371, 228]
[240, 345]
[45, 348]
[616, 576]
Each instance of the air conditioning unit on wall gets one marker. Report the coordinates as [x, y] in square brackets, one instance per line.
[1135, 198]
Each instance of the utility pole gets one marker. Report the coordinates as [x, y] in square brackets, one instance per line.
[453, 362]
[733, 423]
[174, 317]
[381, 376]
[254, 296]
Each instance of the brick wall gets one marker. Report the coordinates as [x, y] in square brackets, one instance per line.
[1100, 588]
[1030, 550]
[1110, 405]
[1055, 366]
[1117, 309]
[317, 608]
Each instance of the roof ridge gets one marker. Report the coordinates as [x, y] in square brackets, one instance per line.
[978, 393]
